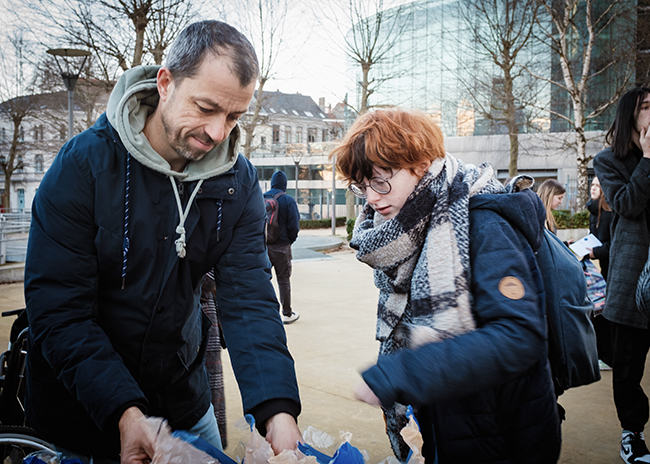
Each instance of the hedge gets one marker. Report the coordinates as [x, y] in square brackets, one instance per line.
[321, 223]
[566, 220]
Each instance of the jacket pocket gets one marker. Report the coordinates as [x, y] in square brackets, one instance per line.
[192, 353]
[109, 249]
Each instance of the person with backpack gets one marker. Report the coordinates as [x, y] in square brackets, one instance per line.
[282, 227]
[461, 321]
[623, 170]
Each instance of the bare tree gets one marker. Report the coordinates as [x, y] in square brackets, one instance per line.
[372, 35]
[370, 32]
[18, 105]
[263, 22]
[120, 33]
[595, 52]
[502, 32]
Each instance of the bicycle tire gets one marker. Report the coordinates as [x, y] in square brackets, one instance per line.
[18, 442]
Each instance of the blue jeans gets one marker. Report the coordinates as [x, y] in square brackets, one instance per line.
[208, 429]
[205, 428]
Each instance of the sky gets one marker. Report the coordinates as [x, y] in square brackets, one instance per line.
[310, 60]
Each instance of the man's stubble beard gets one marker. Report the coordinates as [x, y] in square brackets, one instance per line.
[180, 145]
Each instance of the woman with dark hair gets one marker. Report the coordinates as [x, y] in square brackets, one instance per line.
[552, 194]
[623, 170]
[460, 319]
[600, 221]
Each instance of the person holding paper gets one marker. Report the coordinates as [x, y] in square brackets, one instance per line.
[600, 221]
[623, 170]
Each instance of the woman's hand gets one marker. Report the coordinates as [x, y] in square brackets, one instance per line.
[644, 142]
[362, 392]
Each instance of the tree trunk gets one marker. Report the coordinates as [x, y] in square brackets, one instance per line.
[582, 162]
[513, 129]
[6, 196]
[249, 129]
[350, 212]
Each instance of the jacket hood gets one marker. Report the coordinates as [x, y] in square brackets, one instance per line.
[279, 181]
[523, 210]
[133, 99]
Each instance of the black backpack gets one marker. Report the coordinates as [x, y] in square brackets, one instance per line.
[273, 230]
[572, 340]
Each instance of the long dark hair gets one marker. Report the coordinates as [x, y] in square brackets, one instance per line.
[619, 136]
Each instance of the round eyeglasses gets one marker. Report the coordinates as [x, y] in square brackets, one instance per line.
[377, 183]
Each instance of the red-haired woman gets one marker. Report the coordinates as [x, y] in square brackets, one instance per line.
[460, 321]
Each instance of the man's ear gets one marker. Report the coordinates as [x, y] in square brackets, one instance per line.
[164, 82]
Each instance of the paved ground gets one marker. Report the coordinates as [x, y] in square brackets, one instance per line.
[334, 339]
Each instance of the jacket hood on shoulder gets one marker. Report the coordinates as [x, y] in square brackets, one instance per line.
[523, 210]
[133, 99]
[279, 181]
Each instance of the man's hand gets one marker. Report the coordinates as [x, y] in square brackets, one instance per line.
[591, 253]
[282, 432]
[137, 437]
[362, 392]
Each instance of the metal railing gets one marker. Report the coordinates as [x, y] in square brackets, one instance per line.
[14, 230]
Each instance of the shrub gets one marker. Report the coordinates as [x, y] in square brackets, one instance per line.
[566, 220]
[349, 228]
[321, 223]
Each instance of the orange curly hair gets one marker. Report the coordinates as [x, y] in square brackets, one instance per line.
[390, 139]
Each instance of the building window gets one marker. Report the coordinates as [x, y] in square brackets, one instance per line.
[38, 163]
[287, 134]
[62, 133]
[35, 133]
[299, 135]
[19, 164]
[324, 135]
[21, 134]
[311, 135]
[3, 163]
[262, 142]
[276, 134]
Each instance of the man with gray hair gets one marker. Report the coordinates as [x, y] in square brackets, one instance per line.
[127, 221]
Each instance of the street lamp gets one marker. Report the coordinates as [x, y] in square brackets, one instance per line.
[69, 57]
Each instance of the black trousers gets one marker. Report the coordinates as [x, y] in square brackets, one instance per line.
[280, 257]
[630, 348]
[603, 339]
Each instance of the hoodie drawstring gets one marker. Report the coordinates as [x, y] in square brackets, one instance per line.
[125, 241]
[180, 229]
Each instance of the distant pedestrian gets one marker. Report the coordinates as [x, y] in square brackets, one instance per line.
[552, 194]
[623, 170]
[600, 222]
[460, 320]
[280, 250]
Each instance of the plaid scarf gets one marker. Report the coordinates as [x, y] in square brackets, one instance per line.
[421, 265]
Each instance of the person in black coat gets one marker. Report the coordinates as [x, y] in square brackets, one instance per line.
[280, 250]
[460, 317]
[600, 222]
[623, 170]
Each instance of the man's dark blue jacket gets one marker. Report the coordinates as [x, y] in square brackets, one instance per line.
[100, 342]
[288, 215]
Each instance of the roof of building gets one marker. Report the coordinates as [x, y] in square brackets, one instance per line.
[290, 104]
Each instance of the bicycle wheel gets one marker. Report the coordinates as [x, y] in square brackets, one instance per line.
[18, 442]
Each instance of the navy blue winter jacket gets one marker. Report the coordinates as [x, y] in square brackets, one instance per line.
[288, 215]
[486, 396]
[98, 345]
